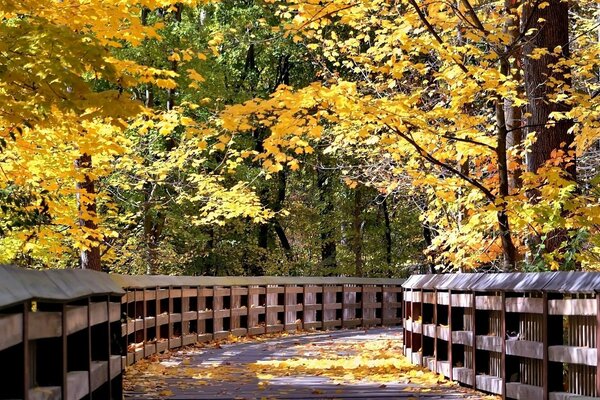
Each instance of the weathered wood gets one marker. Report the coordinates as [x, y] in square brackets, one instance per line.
[572, 307]
[525, 348]
[520, 391]
[11, 330]
[525, 305]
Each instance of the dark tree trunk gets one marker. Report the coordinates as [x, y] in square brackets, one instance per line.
[327, 229]
[552, 32]
[541, 83]
[86, 203]
[387, 233]
[357, 222]
[278, 206]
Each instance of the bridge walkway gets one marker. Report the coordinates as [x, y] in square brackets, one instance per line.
[346, 364]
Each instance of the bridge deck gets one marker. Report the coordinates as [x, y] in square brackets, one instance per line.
[351, 364]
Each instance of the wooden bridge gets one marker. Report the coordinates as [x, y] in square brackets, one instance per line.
[71, 334]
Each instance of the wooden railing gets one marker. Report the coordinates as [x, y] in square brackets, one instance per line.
[70, 334]
[59, 335]
[167, 312]
[522, 336]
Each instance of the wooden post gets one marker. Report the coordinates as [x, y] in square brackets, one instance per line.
[169, 323]
[144, 315]
[597, 344]
[435, 331]
[156, 314]
[26, 361]
[545, 341]
[197, 312]
[267, 314]
[474, 336]
[362, 307]
[109, 339]
[503, 336]
[89, 344]
[343, 304]
[303, 305]
[64, 350]
[450, 349]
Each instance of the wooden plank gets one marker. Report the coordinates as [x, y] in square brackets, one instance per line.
[115, 366]
[489, 343]
[429, 297]
[429, 330]
[488, 383]
[461, 299]
[525, 348]
[463, 375]
[520, 391]
[77, 385]
[98, 373]
[443, 332]
[98, 312]
[488, 302]
[572, 307]
[530, 305]
[443, 298]
[462, 337]
[443, 368]
[45, 393]
[573, 355]
[11, 330]
[44, 324]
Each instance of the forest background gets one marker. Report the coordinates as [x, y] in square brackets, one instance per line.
[340, 137]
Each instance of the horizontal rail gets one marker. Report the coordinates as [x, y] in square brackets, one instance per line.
[153, 281]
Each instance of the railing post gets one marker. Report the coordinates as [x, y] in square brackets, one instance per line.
[303, 306]
[503, 340]
[435, 333]
[545, 344]
[450, 349]
[89, 343]
[169, 322]
[64, 360]
[144, 317]
[474, 336]
[362, 305]
[26, 356]
[597, 343]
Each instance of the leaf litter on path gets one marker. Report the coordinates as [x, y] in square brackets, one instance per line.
[319, 364]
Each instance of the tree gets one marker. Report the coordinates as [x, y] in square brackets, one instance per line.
[406, 101]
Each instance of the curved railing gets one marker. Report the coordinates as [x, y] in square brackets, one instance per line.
[166, 312]
[69, 334]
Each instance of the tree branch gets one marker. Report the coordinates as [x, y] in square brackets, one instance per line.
[431, 30]
[427, 156]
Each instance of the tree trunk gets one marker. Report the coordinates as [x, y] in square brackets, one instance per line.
[86, 204]
[550, 135]
[327, 230]
[387, 234]
[508, 248]
[357, 232]
[552, 32]
[278, 206]
[514, 114]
